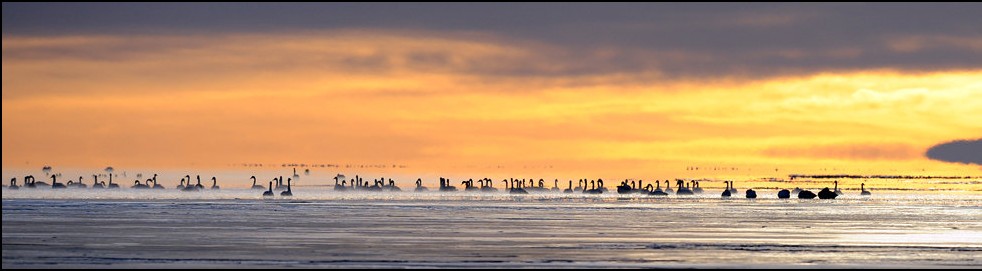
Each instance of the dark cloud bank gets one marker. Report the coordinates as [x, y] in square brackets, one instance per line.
[959, 151]
[728, 39]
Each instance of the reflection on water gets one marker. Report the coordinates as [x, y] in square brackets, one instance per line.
[322, 228]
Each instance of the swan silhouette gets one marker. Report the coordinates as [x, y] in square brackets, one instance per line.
[668, 188]
[570, 189]
[751, 194]
[79, 184]
[35, 183]
[827, 194]
[288, 192]
[657, 191]
[805, 194]
[836, 190]
[445, 185]
[181, 186]
[13, 184]
[198, 185]
[695, 187]
[861, 186]
[555, 185]
[726, 190]
[138, 185]
[784, 194]
[419, 185]
[254, 185]
[488, 186]
[516, 187]
[595, 187]
[732, 188]
[96, 184]
[155, 185]
[214, 183]
[624, 188]
[269, 193]
[683, 190]
[111, 184]
[55, 184]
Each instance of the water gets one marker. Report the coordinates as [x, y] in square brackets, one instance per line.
[236, 228]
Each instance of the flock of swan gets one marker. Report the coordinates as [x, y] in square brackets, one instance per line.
[512, 186]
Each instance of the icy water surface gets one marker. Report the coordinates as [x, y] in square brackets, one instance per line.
[321, 228]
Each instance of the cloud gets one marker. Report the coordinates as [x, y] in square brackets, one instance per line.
[958, 151]
[669, 39]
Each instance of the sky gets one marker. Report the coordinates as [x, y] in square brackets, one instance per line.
[582, 89]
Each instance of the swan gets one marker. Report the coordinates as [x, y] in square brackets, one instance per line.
[726, 190]
[111, 184]
[96, 184]
[445, 185]
[79, 184]
[751, 194]
[419, 185]
[695, 187]
[198, 185]
[657, 191]
[555, 185]
[35, 183]
[784, 194]
[214, 183]
[155, 185]
[668, 188]
[488, 186]
[392, 186]
[732, 189]
[861, 186]
[13, 184]
[624, 188]
[55, 184]
[827, 194]
[288, 192]
[269, 193]
[683, 190]
[836, 190]
[254, 185]
[805, 194]
[593, 187]
[181, 186]
[138, 185]
[516, 187]
[570, 189]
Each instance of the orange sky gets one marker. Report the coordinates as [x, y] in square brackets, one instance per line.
[438, 102]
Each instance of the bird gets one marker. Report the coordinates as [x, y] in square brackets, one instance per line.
[269, 193]
[827, 194]
[214, 183]
[111, 184]
[836, 190]
[555, 185]
[13, 184]
[805, 194]
[516, 187]
[138, 185]
[55, 184]
[254, 185]
[726, 190]
[751, 194]
[570, 189]
[683, 190]
[784, 194]
[155, 185]
[198, 185]
[861, 186]
[657, 191]
[96, 184]
[419, 185]
[181, 186]
[732, 189]
[695, 187]
[288, 192]
[595, 187]
[668, 188]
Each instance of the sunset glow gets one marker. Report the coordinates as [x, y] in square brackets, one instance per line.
[458, 102]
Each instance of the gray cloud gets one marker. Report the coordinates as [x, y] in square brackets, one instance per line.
[959, 151]
[669, 38]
